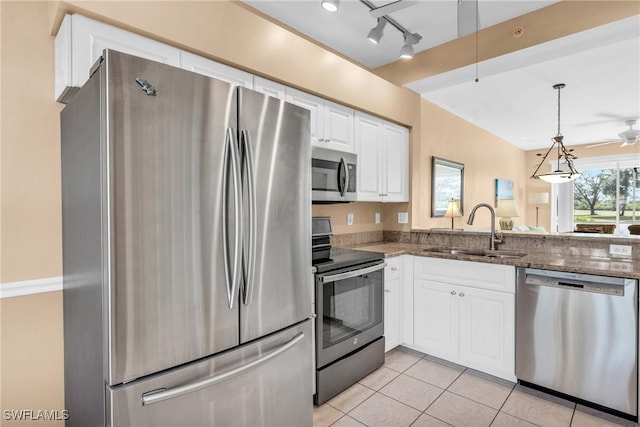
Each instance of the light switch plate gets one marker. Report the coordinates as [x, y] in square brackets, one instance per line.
[403, 218]
[349, 219]
[623, 250]
[377, 218]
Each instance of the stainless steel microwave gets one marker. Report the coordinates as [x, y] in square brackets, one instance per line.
[333, 176]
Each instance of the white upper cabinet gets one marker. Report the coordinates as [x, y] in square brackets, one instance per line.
[395, 161]
[219, 71]
[269, 87]
[383, 160]
[80, 43]
[331, 123]
[368, 139]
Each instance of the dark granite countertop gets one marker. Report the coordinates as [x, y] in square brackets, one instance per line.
[559, 260]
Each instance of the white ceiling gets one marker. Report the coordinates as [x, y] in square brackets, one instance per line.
[514, 98]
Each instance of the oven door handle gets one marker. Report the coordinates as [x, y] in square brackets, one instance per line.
[355, 273]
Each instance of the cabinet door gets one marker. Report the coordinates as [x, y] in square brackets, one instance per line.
[315, 106]
[338, 127]
[435, 312]
[396, 163]
[89, 38]
[269, 87]
[368, 134]
[219, 71]
[487, 331]
[392, 303]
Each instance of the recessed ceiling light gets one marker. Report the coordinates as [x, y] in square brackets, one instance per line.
[330, 5]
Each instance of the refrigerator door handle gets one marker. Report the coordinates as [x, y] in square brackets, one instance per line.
[232, 267]
[156, 396]
[248, 163]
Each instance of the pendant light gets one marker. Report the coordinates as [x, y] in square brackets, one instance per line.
[558, 176]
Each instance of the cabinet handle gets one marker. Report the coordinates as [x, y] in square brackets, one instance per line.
[453, 292]
[394, 269]
[461, 294]
[387, 290]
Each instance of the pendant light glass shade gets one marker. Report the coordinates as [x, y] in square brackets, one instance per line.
[563, 155]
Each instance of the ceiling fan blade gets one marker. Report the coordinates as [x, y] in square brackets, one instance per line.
[381, 11]
[468, 21]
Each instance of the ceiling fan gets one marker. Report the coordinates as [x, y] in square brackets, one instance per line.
[628, 137]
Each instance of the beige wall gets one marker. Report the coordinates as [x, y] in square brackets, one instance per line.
[484, 155]
[31, 354]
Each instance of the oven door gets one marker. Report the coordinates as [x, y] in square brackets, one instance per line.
[349, 304]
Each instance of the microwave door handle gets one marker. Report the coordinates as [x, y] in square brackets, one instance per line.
[355, 273]
[343, 177]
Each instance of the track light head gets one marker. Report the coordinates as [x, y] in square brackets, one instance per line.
[376, 33]
[330, 5]
[409, 40]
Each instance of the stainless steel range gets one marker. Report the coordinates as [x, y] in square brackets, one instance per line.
[349, 306]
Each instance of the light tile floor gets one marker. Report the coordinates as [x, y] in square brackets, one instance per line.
[413, 389]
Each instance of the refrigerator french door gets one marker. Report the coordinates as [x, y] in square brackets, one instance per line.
[186, 218]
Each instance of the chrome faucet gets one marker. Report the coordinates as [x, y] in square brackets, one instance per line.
[494, 238]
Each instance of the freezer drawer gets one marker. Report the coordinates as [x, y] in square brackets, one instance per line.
[236, 388]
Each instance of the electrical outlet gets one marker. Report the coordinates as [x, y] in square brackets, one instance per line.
[377, 218]
[624, 250]
[403, 218]
[349, 219]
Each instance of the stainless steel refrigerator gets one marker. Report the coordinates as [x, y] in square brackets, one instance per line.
[186, 238]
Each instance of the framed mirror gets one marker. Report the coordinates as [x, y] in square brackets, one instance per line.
[447, 182]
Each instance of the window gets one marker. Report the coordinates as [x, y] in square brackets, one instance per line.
[607, 195]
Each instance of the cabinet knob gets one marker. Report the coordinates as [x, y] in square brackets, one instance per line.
[387, 290]
[394, 269]
[461, 294]
[453, 292]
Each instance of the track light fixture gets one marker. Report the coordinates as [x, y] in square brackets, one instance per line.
[406, 51]
[382, 15]
[330, 5]
[376, 33]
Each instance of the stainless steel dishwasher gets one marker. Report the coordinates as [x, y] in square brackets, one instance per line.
[576, 334]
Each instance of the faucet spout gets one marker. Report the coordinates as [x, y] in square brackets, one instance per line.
[494, 238]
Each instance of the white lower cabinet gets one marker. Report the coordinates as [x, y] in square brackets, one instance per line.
[470, 325]
[393, 303]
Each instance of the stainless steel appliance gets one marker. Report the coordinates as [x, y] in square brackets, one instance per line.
[186, 218]
[349, 305]
[333, 176]
[576, 334]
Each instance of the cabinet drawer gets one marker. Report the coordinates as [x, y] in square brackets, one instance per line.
[494, 277]
[393, 269]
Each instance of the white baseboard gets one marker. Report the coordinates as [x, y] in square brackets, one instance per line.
[29, 287]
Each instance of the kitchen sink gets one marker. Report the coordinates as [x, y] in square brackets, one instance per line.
[477, 252]
[455, 251]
